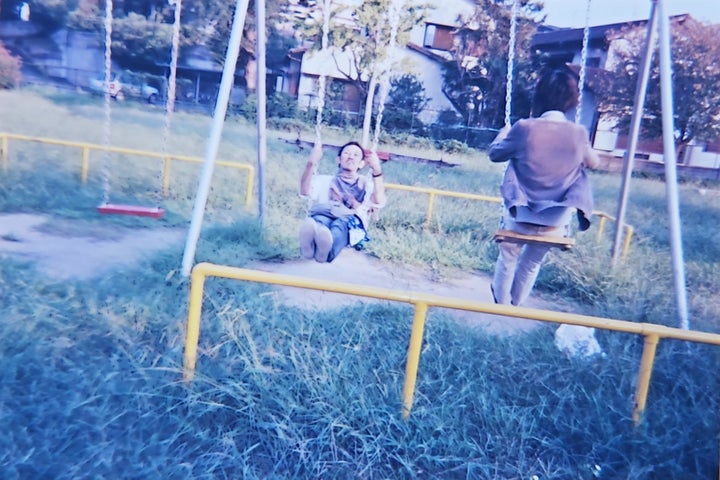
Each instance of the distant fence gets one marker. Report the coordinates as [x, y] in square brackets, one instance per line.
[612, 163]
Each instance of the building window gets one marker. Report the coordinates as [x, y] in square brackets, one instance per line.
[439, 37]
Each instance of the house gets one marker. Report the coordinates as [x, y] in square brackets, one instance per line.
[565, 46]
[429, 46]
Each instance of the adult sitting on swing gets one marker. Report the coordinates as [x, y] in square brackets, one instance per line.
[544, 181]
[339, 219]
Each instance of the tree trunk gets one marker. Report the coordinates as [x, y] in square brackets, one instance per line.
[365, 141]
[251, 75]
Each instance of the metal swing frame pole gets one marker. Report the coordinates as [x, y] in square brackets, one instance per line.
[671, 183]
[261, 107]
[226, 83]
[638, 107]
[659, 18]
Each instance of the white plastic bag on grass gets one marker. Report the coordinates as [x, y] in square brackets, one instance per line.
[577, 341]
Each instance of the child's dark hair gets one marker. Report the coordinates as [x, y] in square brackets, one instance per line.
[349, 144]
[557, 89]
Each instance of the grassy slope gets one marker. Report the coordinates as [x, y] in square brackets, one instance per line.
[90, 383]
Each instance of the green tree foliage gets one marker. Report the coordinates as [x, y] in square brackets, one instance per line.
[10, 75]
[695, 77]
[87, 16]
[209, 23]
[51, 13]
[367, 38]
[406, 99]
[475, 80]
[140, 43]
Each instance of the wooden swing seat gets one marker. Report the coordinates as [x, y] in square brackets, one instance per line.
[119, 209]
[563, 243]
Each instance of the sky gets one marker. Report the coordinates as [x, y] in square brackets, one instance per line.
[572, 13]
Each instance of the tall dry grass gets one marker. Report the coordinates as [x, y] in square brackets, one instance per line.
[90, 386]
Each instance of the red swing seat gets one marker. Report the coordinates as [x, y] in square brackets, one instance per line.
[140, 211]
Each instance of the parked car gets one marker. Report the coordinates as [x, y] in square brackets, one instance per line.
[126, 84]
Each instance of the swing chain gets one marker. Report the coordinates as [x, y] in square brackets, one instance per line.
[322, 79]
[171, 95]
[108, 117]
[583, 61]
[511, 60]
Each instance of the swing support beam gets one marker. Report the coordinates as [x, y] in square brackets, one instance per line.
[658, 27]
[213, 143]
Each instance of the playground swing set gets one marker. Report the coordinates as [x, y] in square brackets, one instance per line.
[107, 207]
[501, 235]
[320, 183]
[658, 19]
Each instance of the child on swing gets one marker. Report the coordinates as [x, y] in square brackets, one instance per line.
[351, 198]
[544, 181]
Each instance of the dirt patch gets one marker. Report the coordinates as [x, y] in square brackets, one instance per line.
[70, 249]
[65, 249]
[359, 268]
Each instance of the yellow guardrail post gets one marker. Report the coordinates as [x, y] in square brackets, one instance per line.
[166, 176]
[601, 226]
[413, 357]
[250, 186]
[431, 201]
[628, 238]
[646, 366]
[5, 153]
[192, 336]
[85, 163]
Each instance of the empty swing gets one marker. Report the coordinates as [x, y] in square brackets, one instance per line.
[510, 236]
[106, 207]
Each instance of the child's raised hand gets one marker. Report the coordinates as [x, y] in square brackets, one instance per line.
[316, 154]
[373, 161]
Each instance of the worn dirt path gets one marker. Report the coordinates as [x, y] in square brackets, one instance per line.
[65, 249]
[359, 268]
[68, 249]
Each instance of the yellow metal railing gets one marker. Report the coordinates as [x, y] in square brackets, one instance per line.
[433, 192]
[166, 158]
[422, 301]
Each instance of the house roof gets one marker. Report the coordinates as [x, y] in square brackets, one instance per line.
[428, 53]
[555, 37]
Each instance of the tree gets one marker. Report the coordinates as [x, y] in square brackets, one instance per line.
[51, 13]
[475, 80]
[212, 21]
[10, 75]
[406, 99]
[365, 34]
[695, 78]
[139, 43]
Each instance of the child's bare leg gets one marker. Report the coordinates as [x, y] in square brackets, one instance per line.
[323, 243]
[307, 238]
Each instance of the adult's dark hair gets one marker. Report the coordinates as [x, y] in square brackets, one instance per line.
[348, 144]
[557, 89]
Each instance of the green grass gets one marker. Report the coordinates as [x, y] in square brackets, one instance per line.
[90, 386]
